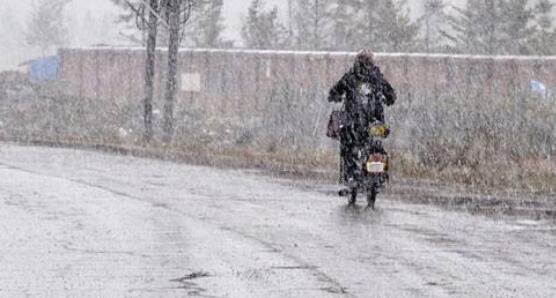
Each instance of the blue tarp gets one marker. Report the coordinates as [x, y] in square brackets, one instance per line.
[44, 69]
[537, 86]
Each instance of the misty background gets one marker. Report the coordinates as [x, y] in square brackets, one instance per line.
[94, 22]
[465, 118]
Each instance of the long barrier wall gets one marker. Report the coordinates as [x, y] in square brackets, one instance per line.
[249, 88]
[229, 78]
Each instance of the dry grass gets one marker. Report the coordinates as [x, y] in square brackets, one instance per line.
[536, 176]
[472, 142]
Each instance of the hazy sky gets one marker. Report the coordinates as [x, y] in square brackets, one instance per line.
[13, 49]
[233, 10]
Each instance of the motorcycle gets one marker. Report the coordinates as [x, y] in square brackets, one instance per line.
[371, 173]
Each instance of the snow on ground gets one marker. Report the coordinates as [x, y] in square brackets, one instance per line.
[79, 223]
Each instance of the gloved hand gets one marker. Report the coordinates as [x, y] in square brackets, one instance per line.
[333, 98]
[387, 132]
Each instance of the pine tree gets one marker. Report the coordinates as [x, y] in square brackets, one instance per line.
[543, 39]
[312, 24]
[344, 26]
[477, 27]
[494, 27]
[396, 32]
[517, 28]
[262, 29]
[47, 26]
[380, 25]
[207, 27]
[434, 21]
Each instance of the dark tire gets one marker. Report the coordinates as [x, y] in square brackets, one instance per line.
[341, 176]
[371, 198]
[353, 196]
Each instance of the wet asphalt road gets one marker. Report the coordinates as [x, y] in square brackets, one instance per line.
[77, 223]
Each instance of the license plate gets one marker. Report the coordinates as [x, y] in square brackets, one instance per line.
[375, 167]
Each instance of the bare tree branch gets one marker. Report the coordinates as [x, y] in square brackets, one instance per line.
[140, 13]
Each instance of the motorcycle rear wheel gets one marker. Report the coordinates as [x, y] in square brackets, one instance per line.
[353, 196]
[371, 198]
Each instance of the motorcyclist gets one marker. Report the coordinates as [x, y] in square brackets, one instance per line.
[363, 90]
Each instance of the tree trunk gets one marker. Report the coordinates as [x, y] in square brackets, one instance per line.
[149, 72]
[171, 83]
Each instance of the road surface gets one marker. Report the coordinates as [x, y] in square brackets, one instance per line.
[85, 224]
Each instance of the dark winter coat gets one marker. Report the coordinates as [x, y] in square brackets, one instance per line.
[362, 86]
[364, 90]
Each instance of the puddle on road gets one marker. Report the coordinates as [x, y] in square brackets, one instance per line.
[185, 283]
[349, 215]
[192, 276]
[335, 290]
